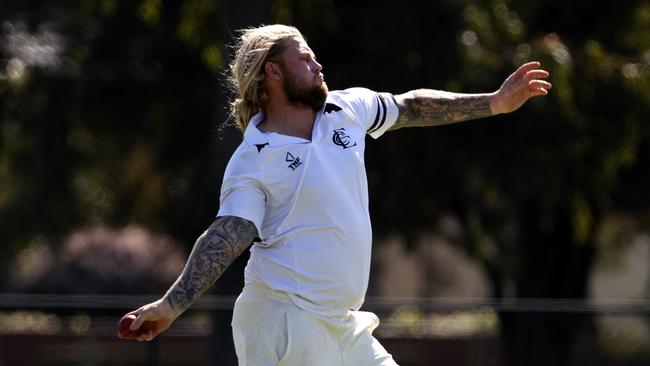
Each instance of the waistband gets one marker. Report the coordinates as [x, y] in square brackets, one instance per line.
[261, 290]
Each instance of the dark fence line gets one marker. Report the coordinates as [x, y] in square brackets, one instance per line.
[217, 302]
[81, 330]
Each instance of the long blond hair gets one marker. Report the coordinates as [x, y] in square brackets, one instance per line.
[253, 48]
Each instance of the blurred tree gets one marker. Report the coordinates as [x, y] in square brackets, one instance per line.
[97, 261]
[109, 114]
[531, 187]
[117, 127]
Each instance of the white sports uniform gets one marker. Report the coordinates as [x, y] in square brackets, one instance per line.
[309, 202]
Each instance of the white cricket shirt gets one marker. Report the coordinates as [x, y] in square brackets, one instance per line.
[309, 202]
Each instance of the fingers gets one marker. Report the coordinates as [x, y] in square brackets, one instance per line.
[140, 336]
[136, 323]
[532, 75]
[530, 71]
[141, 317]
[144, 331]
[523, 69]
[128, 335]
[539, 84]
[148, 336]
[147, 322]
[144, 314]
[539, 87]
[538, 92]
[536, 74]
[529, 74]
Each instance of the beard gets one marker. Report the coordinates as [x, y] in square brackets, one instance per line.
[313, 97]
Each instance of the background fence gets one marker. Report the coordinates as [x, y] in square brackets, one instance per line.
[80, 330]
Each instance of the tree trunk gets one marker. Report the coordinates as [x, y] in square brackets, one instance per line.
[553, 266]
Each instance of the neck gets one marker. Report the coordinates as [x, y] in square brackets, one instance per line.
[288, 120]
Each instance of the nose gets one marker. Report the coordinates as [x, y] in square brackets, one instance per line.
[317, 67]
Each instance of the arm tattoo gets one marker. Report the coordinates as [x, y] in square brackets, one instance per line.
[425, 107]
[214, 251]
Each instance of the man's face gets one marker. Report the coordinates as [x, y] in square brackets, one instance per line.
[303, 81]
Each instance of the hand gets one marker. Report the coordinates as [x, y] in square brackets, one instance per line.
[155, 318]
[520, 86]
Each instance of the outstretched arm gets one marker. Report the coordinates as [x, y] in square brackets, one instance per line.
[213, 252]
[426, 107]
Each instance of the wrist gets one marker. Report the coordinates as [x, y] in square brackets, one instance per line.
[495, 105]
[169, 307]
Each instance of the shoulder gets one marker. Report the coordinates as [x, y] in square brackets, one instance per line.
[351, 95]
[245, 159]
[376, 112]
[356, 102]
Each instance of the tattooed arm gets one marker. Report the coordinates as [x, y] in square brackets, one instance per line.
[425, 107]
[225, 240]
[213, 252]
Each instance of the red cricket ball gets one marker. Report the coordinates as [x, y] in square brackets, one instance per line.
[124, 324]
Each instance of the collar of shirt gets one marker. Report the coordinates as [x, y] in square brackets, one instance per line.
[254, 136]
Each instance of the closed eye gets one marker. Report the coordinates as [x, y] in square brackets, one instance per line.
[308, 57]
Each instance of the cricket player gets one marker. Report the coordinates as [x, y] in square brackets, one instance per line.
[295, 192]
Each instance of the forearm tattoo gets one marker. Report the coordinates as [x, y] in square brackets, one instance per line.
[214, 251]
[427, 107]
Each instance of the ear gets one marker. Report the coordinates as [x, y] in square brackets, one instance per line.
[273, 70]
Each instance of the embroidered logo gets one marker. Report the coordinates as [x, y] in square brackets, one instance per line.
[295, 161]
[341, 138]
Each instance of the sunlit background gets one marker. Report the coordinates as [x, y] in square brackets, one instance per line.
[522, 239]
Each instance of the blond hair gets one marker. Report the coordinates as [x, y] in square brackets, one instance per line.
[253, 48]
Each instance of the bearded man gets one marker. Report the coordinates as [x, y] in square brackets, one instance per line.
[295, 192]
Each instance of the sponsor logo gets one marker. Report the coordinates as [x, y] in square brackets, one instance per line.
[295, 161]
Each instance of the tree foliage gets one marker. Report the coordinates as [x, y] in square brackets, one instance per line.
[109, 114]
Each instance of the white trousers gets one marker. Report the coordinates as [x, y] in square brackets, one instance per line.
[268, 329]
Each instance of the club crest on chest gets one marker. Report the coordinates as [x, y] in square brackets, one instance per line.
[341, 138]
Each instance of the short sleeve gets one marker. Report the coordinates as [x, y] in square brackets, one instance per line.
[376, 111]
[241, 192]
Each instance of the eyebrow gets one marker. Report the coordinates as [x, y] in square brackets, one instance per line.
[304, 49]
[307, 52]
